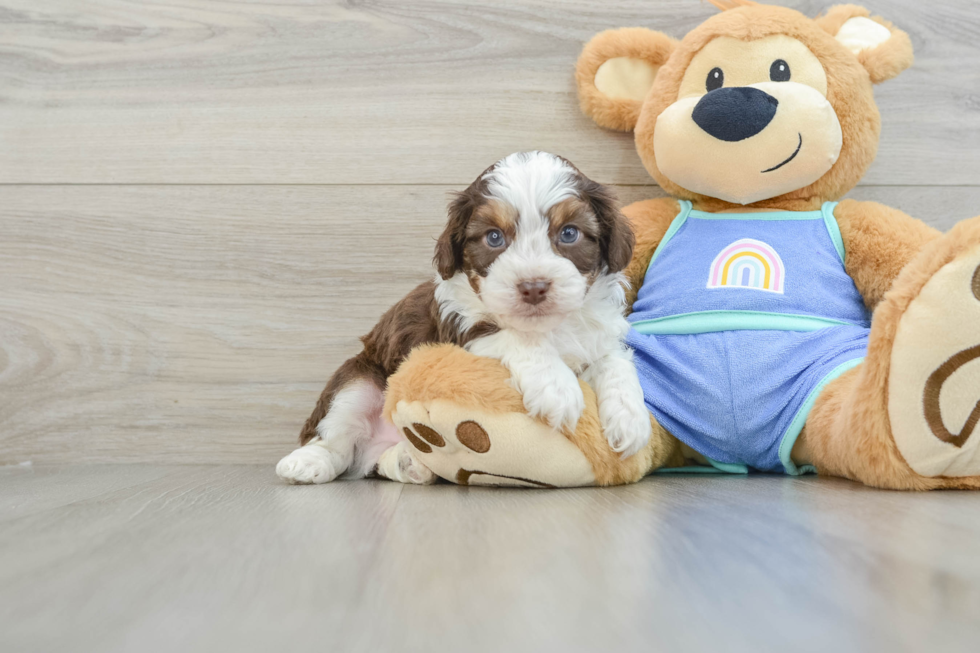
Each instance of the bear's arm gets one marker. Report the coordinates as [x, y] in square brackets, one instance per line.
[878, 242]
[650, 220]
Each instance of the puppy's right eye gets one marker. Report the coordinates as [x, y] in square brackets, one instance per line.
[495, 238]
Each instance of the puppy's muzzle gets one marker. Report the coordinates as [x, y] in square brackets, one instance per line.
[533, 292]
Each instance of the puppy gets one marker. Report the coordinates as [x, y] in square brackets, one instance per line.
[529, 273]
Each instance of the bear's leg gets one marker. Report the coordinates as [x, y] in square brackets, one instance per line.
[907, 417]
[467, 424]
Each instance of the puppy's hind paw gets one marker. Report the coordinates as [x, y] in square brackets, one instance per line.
[398, 464]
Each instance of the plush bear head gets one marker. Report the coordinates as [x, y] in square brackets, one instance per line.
[758, 105]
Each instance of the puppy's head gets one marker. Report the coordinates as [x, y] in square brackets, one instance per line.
[530, 236]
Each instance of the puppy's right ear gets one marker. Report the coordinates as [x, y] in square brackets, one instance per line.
[616, 70]
[448, 258]
[616, 239]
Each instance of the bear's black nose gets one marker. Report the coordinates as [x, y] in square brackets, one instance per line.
[735, 113]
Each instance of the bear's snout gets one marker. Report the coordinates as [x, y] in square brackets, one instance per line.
[735, 113]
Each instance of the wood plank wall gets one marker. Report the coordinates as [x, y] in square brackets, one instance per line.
[203, 204]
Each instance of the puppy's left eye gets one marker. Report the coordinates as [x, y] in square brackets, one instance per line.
[779, 71]
[569, 234]
[495, 238]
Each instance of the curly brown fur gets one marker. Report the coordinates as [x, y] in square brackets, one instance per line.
[453, 309]
[411, 322]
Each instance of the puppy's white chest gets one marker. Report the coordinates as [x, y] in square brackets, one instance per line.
[576, 364]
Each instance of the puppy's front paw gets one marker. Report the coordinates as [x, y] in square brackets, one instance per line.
[311, 464]
[625, 422]
[554, 395]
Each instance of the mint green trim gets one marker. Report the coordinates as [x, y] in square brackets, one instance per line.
[761, 215]
[729, 468]
[713, 321]
[833, 228]
[796, 426]
[690, 469]
[715, 468]
[675, 225]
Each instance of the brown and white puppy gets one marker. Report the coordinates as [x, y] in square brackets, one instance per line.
[529, 274]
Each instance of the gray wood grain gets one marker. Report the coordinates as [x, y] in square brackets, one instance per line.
[127, 91]
[225, 558]
[186, 550]
[198, 324]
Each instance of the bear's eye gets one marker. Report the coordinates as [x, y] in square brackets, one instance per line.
[716, 79]
[779, 71]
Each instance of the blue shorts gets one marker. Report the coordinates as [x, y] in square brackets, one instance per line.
[741, 398]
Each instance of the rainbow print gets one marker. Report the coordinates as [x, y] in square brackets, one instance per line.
[748, 263]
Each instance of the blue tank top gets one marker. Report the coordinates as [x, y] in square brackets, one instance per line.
[741, 321]
[781, 270]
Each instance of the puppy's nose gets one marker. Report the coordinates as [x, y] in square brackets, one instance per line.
[735, 113]
[533, 292]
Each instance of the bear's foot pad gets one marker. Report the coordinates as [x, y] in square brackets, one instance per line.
[934, 383]
[470, 447]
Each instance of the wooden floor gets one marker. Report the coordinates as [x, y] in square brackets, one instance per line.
[202, 205]
[223, 558]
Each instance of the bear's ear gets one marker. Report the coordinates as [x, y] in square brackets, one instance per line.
[883, 50]
[615, 71]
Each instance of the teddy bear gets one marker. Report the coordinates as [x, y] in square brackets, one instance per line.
[775, 327]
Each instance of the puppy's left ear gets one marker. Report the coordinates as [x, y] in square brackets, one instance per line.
[880, 47]
[616, 238]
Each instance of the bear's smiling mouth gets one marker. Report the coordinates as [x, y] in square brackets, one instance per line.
[791, 156]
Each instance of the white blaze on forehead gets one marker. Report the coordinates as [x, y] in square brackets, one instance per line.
[531, 182]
